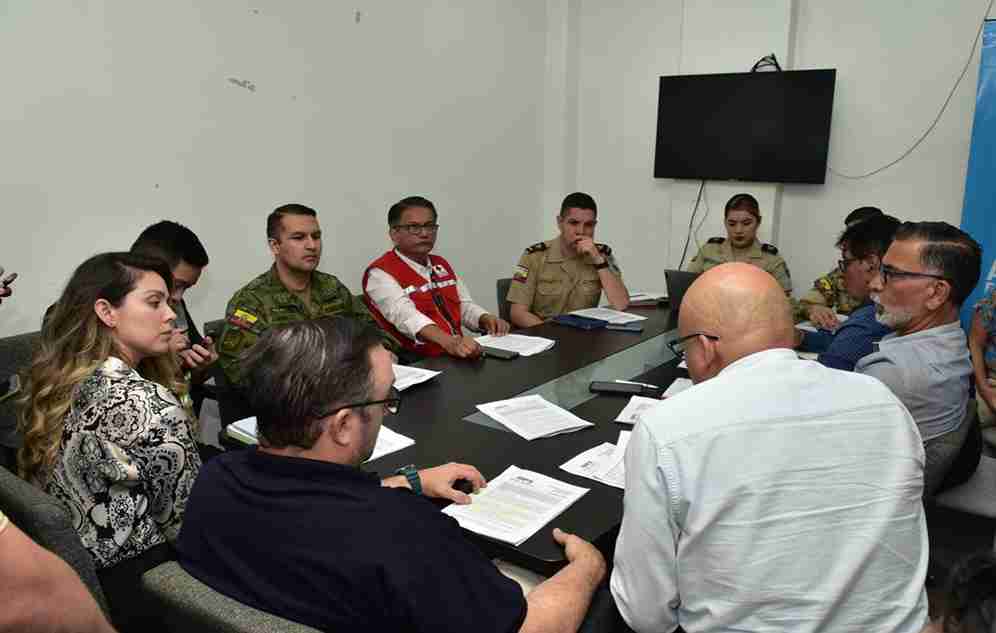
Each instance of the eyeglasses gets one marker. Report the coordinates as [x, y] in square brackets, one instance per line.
[392, 404]
[890, 271]
[679, 346]
[417, 228]
[842, 264]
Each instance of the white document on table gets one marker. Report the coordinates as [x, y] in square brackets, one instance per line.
[676, 387]
[524, 345]
[610, 315]
[388, 441]
[808, 355]
[533, 416]
[515, 505]
[406, 376]
[636, 407]
[614, 471]
[647, 296]
[604, 463]
[809, 326]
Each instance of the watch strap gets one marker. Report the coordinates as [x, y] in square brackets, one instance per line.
[411, 474]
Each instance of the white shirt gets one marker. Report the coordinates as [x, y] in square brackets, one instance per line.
[780, 495]
[390, 298]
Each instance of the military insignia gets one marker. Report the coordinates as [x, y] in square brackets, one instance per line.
[243, 320]
[246, 316]
[536, 248]
[716, 240]
[521, 274]
[768, 248]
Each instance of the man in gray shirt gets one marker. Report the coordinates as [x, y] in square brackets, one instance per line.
[927, 273]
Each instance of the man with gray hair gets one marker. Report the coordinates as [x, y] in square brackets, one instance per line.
[776, 494]
[927, 273]
[297, 529]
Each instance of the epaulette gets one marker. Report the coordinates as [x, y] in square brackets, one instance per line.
[603, 249]
[536, 248]
[768, 248]
[716, 240]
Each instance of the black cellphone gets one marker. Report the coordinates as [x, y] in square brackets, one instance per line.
[633, 326]
[624, 388]
[503, 354]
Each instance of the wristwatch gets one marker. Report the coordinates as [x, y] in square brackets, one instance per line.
[411, 474]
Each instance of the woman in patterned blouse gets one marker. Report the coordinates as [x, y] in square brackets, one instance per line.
[982, 343]
[104, 428]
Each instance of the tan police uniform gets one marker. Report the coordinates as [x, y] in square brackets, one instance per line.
[549, 281]
[765, 256]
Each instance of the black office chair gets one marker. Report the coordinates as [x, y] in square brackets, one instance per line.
[504, 306]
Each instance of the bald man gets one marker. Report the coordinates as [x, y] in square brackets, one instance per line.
[776, 494]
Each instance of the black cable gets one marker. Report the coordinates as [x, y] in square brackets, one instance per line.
[691, 221]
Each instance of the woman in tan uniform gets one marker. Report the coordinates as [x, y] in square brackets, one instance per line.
[743, 217]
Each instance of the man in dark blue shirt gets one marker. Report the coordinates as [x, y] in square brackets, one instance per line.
[862, 246]
[295, 528]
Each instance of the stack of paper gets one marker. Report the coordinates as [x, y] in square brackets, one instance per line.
[605, 463]
[642, 299]
[679, 385]
[532, 416]
[388, 441]
[515, 505]
[610, 315]
[637, 406]
[524, 345]
[406, 376]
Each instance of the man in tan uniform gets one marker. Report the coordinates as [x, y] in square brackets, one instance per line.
[568, 272]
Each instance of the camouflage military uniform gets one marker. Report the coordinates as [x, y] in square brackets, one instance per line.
[265, 302]
[550, 282]
[765, 256]
[830, 291]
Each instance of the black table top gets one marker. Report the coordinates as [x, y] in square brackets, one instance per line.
[432, 413]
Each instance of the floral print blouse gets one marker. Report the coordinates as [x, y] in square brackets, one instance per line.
[127, 461]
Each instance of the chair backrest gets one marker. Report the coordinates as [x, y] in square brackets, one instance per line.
[46, 520]
[678, 282]
[504, 307]
[187, 604]
[15, 354]
[967, 460]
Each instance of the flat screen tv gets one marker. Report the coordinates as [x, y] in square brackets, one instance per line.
[762, 126]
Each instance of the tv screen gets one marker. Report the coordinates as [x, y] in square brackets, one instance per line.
[763, 126]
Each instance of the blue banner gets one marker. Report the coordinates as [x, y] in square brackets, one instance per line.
[978, 216]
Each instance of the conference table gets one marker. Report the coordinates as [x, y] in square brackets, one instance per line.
[441, 417]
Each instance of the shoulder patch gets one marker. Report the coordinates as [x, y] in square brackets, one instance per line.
[243, 320]
[768, 248]
[716, 240]
[521, 274]
[536, 248]
[603, 249]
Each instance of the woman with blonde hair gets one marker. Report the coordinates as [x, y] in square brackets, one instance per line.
[104, 428]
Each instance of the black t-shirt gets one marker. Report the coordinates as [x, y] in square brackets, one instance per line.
[325, 545]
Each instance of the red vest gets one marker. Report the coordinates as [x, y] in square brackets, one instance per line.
[420, 290]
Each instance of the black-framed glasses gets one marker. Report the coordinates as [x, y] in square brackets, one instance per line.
[680, 345]
[392, 404]
[842, 264]
[889, 272]
[414, 229]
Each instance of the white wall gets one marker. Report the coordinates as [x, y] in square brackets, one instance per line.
[117, 114]
[896, 63]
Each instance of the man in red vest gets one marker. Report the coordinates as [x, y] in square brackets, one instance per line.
[416, 296]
